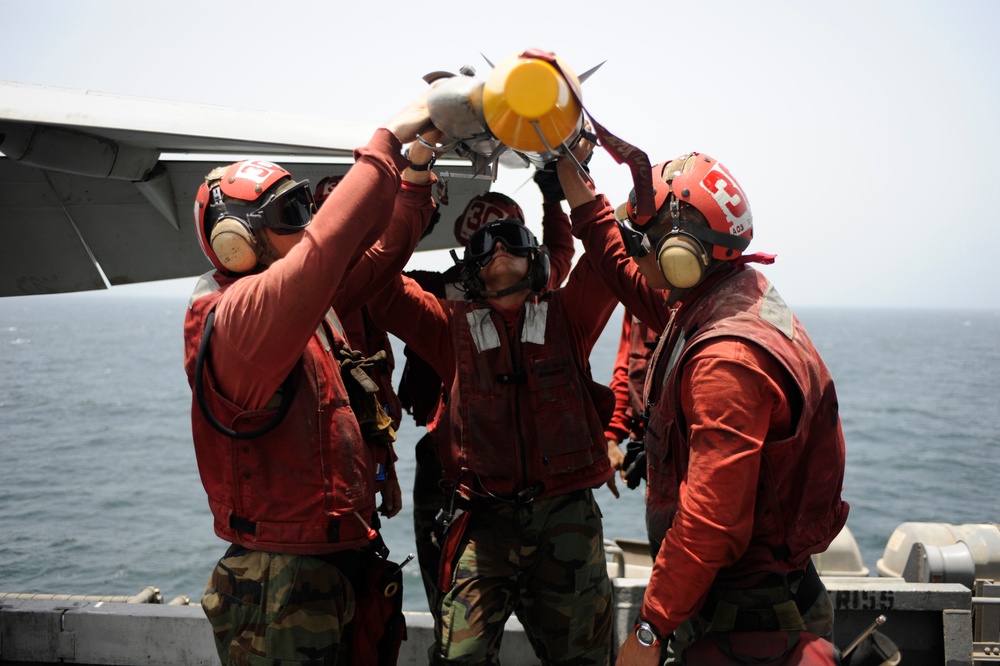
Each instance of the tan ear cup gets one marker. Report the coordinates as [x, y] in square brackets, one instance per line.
[234, 245]
[682, 261]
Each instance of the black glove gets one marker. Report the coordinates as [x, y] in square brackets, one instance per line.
[548, 182]
[635, 463]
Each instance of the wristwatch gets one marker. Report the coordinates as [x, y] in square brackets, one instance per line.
[645, 634]
[421, 167]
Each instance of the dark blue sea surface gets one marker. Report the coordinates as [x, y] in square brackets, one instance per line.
[99, 491]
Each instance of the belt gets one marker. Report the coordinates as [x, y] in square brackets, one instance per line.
[785, 615]
[522, 498]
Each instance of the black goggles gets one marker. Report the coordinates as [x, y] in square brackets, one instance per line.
[516, 238]
[286, 213]
[636, 242]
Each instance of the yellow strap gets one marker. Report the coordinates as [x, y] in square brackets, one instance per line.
[788, 616]
[724, 618]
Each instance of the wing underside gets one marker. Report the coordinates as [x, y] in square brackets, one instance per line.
[97, 190]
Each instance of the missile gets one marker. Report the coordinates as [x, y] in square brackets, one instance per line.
[526, 106]
[528, 112]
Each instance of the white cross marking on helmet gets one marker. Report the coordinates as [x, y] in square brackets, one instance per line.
[732, 202]
[257, 171]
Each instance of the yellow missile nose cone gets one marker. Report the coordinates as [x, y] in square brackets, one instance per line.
[532, 89]
[529, 105]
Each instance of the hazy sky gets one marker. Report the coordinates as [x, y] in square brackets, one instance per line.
[864, 132]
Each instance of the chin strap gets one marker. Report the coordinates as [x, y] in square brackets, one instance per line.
[513, 289]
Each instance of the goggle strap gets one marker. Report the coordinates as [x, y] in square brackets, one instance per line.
[513, 289]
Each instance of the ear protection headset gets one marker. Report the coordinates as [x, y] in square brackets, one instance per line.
[707, 187]
[234, 244]
[236, 200]
[682, 258]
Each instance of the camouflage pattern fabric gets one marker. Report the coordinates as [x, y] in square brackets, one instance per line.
[271, 608]
[545, 560]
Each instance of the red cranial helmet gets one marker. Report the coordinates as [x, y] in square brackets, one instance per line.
[705, 184]
[483, 209]
[236, 201]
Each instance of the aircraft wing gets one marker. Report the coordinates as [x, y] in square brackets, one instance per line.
[95, 183]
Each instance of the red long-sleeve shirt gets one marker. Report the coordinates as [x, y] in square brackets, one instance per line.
[734, 397]
[264, 320]
[557, 237]
[725, 382]
[619, 426]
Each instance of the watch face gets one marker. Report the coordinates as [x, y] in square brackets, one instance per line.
[645, 635]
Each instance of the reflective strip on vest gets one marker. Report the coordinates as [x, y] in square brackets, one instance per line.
[334, 321]
[674, 355]
[535, 317]
[775, 311]
[484, 333]
[206, 285]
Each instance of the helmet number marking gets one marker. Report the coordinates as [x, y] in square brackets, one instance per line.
[478, 215]
[257, 171]
[729, 197]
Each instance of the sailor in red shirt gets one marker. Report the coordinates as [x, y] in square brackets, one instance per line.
[744, 445]
[520, 436]
[634, 351]
[420, 386]
[291, 448]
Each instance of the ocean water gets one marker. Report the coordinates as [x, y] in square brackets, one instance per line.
[99, 491]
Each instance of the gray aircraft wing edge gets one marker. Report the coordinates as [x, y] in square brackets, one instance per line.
[93, 183]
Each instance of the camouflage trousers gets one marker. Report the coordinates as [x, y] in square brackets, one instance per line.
[271, 608]
[543, 560]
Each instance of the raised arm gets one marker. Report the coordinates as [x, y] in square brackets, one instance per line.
[287, 301]
[593, 223]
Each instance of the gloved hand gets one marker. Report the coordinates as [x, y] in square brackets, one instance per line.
[634, 467]
[548, 180]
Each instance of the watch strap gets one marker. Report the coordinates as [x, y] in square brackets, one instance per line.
[647, 635]
[421, 167]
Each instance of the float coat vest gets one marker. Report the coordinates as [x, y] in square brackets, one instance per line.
[804, 473]
[522, 419]
[302, 487]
